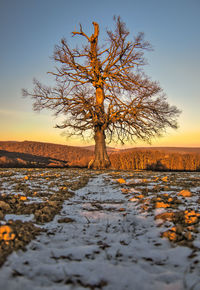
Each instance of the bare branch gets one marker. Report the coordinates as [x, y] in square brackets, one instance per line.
[81, 33]
[106, 89]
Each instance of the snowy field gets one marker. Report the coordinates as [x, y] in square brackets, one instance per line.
[114, 230]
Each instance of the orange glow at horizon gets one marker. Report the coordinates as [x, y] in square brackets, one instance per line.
[30, 126]
[185, 139]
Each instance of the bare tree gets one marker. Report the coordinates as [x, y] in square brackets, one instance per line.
[104, 90]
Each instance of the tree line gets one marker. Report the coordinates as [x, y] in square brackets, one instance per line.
[155, 160]
[37, 154]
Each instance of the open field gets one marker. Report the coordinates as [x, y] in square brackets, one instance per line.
[83, 229]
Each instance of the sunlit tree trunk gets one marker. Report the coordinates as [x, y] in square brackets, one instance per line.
[101, 160]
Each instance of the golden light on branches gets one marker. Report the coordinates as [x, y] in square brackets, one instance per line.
[105, 91]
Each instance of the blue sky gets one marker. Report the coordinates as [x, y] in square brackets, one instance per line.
[29, 30]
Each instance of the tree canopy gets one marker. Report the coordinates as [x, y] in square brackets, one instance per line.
[103, 90]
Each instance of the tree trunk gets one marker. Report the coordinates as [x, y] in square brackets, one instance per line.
[101, 160]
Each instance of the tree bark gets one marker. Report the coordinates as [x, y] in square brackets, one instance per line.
[101, 160]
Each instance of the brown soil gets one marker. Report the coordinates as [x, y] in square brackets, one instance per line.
[15, 234]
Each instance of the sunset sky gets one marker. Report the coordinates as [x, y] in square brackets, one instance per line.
[29, 30]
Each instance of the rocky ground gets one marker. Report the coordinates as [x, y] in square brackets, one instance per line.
[79, 229]
[30, 198]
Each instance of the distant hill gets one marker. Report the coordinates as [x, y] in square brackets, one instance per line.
[109, 149]
[181, 150]
[39, 154]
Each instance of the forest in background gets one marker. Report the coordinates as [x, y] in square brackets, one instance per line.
[39, 154]
[157, 159]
